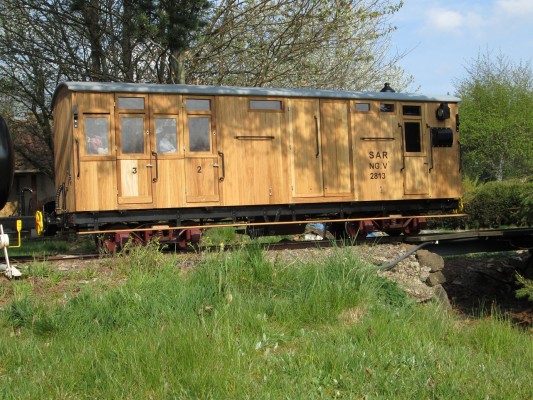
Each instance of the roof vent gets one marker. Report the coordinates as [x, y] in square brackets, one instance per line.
[387, 88]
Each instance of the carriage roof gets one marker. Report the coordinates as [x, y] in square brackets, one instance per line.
[204, 90]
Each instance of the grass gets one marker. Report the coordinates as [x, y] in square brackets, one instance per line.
[49, 246]
[239, 325]
[233, 236]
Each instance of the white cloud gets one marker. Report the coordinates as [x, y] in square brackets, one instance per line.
[454, 21]
[515, 8]
[444, 20]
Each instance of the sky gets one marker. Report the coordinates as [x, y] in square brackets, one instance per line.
[442, 37]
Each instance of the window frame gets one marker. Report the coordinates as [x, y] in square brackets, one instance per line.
[362, 111]
[281, 102]
[82, 141]
[190, 114]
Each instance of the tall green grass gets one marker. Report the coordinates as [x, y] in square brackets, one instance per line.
[241, 326]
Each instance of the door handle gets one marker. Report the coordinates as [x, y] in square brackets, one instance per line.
[154, 180]
[316, 138]
[78, 157]
[221, 155]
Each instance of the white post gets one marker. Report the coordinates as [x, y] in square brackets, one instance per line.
[11, 272]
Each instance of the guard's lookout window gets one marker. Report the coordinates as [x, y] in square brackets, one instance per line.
[411, 110]
[386, 107]
[413, 142]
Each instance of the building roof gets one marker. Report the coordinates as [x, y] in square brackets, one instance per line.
[120, 87]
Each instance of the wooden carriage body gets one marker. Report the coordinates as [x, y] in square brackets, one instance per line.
[121, 146]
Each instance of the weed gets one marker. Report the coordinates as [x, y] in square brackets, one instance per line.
[241, 326]
[20, 313]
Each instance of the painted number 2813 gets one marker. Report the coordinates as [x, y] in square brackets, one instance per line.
[377, 175]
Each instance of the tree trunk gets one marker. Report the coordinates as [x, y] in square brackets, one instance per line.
[177, 67]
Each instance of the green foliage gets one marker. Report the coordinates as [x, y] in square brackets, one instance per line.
[220, 236]
[527, 204]
[241, 325]
[497, 118]
[498, 203]
[527, 289]
[492, 204]
[50, 246]
[144, 257]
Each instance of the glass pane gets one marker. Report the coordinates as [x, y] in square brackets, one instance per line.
[166, 135]
[199, 131]
[132, 135]
[96, 135]
[362, 107]
[411, 110]
[131, 103]
[265, 105]
[386, 107]
[412, 137]
[198, 105]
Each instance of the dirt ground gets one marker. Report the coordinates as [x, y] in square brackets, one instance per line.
[480, 286]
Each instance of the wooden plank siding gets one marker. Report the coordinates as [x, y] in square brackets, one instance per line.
[64, 151]
[280, 150]
[377, 152]
[252, 143]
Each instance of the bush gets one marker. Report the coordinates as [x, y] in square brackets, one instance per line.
[492, 204]
[527, 288]
[499, 203]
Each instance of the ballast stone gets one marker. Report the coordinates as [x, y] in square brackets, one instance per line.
[435, 278]
[431, 260]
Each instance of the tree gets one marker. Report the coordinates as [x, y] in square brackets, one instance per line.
[336, 44]
[333, 44]
[497, 118]
[45, 42]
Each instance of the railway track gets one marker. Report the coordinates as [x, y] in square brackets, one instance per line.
[444, 244]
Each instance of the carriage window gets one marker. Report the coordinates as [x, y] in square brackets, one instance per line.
[363, 107]
[131, 103]
[198, 105]
[412, 137]
[384, 107]
[96, 135]
[199, 134]
[265, 105]
[166, 135]
[132, 135]
[411, 110]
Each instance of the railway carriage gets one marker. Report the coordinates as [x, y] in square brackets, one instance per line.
[156, 158]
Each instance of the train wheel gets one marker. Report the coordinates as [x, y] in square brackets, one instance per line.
[189, 239]
[112, 242]
[106, 243]
[415, 226]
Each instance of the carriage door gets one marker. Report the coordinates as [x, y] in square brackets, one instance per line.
[415, 160]
[306, 160]
[203, 165]
[134, 165]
